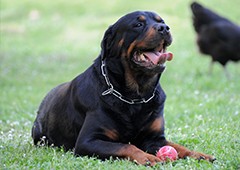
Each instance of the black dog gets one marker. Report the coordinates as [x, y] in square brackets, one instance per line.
[115, 108]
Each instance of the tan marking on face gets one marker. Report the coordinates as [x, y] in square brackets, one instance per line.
[148, 36]
[130, 49]
[142, 18]
[150, 33]
[120, 42]
[142, 43]
[111, 134]
[158, 18]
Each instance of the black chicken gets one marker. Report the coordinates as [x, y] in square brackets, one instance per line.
[216, 35]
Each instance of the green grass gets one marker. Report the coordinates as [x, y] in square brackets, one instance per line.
[44, 43]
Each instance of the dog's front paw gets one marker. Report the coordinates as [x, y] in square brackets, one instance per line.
[143, 158]
[201, 156]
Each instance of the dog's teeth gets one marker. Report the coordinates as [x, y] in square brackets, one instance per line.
[142, 57]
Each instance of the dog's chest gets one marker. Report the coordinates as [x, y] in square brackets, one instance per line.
[134, 122]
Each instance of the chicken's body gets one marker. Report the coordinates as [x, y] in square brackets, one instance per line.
[216, 35]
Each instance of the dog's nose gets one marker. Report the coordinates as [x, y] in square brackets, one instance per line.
[162, 28]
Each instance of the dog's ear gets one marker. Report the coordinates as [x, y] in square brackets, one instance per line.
[107, 42]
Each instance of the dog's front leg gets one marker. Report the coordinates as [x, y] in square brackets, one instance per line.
[105, 149]
[184, 152]
[97, 138]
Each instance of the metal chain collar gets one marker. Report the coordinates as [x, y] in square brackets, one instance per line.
[117, 94]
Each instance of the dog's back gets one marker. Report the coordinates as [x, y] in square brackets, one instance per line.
[47, 115]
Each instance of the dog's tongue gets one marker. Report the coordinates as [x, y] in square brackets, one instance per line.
[158, 57]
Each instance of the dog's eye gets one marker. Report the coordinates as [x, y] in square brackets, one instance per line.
[162, 21]
[139, 24]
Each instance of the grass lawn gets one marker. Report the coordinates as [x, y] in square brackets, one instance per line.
[44, 43]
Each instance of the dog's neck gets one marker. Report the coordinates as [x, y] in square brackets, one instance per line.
[140, 82]
[127, 83]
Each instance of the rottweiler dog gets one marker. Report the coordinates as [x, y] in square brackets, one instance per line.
[115, 108]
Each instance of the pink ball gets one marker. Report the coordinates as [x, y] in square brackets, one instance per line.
[166, 153]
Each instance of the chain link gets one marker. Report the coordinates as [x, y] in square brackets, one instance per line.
[117, 94]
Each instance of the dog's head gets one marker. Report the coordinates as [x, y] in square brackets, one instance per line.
[139, 39]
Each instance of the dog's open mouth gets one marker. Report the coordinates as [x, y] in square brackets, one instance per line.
[152, 58]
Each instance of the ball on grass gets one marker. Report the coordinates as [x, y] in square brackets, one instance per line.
[167, 153]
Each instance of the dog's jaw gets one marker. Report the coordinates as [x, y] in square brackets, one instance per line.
[152, 58]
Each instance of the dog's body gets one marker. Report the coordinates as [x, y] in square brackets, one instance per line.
[115, 108]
